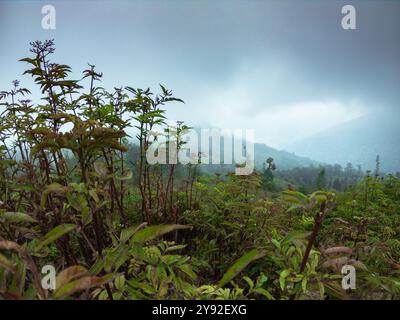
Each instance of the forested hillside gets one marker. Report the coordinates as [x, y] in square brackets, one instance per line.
[77, 196]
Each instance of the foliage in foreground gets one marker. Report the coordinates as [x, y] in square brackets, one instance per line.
[117, 229]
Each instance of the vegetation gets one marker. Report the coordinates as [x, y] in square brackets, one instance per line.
[75, 193]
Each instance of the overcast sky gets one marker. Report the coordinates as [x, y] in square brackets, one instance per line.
[284, 68]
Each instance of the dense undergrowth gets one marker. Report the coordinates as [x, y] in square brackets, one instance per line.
[115, 227]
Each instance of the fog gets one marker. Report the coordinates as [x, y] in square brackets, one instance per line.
[284, 68]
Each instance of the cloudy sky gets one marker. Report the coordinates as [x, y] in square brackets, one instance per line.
[284, 68]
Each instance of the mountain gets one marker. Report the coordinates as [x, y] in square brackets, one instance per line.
[283, 159]
[358, 141]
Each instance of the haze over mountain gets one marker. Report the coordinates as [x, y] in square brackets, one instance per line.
[358, 141]
[286, 69]
[283, 159]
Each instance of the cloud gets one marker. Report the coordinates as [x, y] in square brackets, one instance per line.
[286, 68]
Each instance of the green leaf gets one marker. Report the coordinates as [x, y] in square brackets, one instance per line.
[185, 268]
[115, 258]
[81, 284]
[17, 217]
[26, 187]
[70, 274]
[297, 235]
[321, 289]
[93, 194]
[51, 188]
[304, 285]
[86, 216]
[120, 282]
[142, 285]
[249, 282]
[127, 233]
[240, 264]
[97, 267]
[55, 234]
[264, 292]
[295, 196]
[335, 289]
[282, 278]
[101, 169]
[295, 207]
[261, 280]
[175, 248]
[125, 176]
[7, 264]
[276, 243]
[152, 232]
[319, 196]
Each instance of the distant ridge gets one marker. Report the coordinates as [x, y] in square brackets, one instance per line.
[357, 141]
[283, 159]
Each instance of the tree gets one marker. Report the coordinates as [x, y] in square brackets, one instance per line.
[267, 176]
[337, 185]
[321, 180]
[377, 167]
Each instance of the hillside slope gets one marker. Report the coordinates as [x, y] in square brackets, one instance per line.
[358, 141]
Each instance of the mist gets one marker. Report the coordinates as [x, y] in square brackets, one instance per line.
[285, 69]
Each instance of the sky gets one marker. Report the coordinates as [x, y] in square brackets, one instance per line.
[286, 69]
